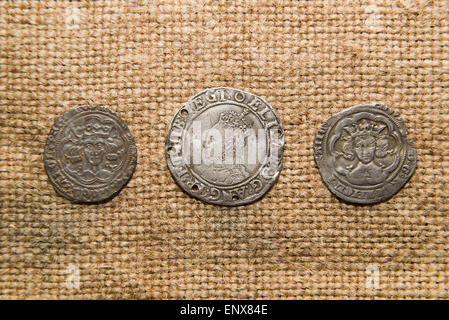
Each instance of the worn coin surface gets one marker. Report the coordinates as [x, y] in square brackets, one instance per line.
[89, 154]
[363, 154]
[224, 146]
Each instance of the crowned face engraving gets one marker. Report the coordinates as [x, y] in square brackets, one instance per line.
[227, 122]
[223, 173]
[363, 154]
[89, 154]
[92, 150]
[365, 147]
[365, 151]
[224, 146]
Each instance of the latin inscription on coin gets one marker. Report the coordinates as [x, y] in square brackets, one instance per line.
[225, 147]
[363, 154]
[89, 154]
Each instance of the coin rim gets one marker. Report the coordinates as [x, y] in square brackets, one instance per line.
[128, 172]
[395, 118]
[257, 196]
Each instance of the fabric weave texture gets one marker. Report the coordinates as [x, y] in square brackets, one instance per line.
[143, 60]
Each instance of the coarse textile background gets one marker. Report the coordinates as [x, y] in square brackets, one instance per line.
[309, 60]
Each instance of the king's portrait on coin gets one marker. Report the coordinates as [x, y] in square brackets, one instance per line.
[90, 154]
[92, 150]
[225, 147]
[363, 154]
[217, 170]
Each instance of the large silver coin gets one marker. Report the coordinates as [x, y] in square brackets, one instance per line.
[224, 146]
[90, 154]
[363, 154]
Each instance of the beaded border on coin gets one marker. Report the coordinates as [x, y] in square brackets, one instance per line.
[242, 193]
[364, 195]
[67, 187]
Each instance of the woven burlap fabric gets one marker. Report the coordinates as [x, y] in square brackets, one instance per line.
[309, 60]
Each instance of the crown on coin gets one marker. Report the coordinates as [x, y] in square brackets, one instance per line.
[364, 128]
[233, 119]
[95, 127]
[92, 130]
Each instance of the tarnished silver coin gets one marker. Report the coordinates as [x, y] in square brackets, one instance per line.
[363, 154]
[89, 154]
[224, 146]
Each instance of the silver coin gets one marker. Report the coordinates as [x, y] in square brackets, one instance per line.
[224, 146]
[363, 154]
[89, 154]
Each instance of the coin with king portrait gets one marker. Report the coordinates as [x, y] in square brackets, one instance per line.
[363, 154]
[89, 154]
[224, 146]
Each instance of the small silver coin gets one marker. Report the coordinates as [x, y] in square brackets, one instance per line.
[363, 154]
[89, 154]
[224, 146]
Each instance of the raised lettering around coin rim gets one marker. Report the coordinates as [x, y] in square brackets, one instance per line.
[363, 154]
[218, 111]
[90, 154]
